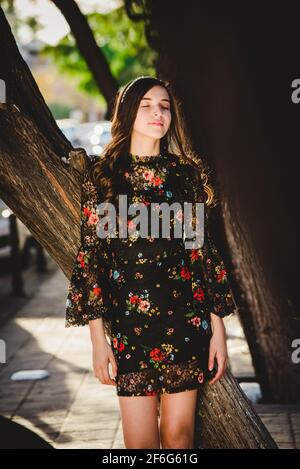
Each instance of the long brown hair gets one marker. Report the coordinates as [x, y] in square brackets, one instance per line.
[107, 172]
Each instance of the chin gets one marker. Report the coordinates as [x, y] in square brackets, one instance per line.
[155, 132]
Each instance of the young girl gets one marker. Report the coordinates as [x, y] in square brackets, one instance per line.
[160, 304]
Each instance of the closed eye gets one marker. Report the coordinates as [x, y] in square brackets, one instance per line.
[162, 107]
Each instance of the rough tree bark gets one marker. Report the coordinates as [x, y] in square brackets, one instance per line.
[233, 73]
[45, 195]
[39, 188]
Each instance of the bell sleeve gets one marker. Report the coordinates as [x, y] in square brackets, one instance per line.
[210, 283]
[89, 294]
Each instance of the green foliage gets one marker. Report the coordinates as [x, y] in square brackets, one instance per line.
[121, 41]
[59, 110]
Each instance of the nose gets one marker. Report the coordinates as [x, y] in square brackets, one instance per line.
[157, 111]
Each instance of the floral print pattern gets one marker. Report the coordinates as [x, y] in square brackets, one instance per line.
[156, 294]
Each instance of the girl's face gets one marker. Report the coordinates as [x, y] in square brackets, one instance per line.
[154, 115]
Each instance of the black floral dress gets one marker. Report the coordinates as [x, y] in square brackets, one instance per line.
[156, 294]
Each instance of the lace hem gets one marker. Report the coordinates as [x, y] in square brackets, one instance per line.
[174, 378]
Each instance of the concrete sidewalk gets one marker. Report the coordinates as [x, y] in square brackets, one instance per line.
[71, 408]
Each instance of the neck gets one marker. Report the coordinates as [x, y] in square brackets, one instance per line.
[142, 146]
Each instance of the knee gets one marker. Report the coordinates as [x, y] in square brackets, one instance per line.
[179, 437]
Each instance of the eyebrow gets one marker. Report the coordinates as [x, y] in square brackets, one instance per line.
[163, 99]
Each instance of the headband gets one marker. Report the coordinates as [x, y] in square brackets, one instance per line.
[136, 79]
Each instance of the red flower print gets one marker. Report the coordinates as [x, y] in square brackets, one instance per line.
[97, 291]
[185, 273]
[199, 294]
[194, 255]
[201, 377]
[222, 275]
[134, 299]
[80, 259]
[156, 354]
[196, 321]
[86, 211]
[154, 351]
[144, 305]
[148, 175]
[115, 342]
[93, 219]
[121, 347]
[157, 181]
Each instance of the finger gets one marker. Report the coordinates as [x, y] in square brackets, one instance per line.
[211, 360]
[114, 370]
[114, 365]
[215, 378]
[220, 369]
[107, 378]
[99, 374]
[96, 371]
[220, 372]
[102, 374]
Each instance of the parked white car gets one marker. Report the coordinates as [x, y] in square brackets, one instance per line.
[92, 136]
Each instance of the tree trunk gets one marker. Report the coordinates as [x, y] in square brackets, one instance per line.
[38, 186]
[45, 195]
[34, 182]
[226, 419]
[232, 72]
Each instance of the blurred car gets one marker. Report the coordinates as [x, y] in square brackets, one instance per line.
[92, 136]
[69, 128]
[99, 136]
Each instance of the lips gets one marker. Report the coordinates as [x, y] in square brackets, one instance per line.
[156, 123]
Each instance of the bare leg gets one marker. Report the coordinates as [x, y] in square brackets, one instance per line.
[177, 419]
[139, 416]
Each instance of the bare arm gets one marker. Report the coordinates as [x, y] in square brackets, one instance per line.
[217, 347]
[102, 353]
[97, 333]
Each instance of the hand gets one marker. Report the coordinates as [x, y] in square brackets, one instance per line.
[218, 350]
[102, 356]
